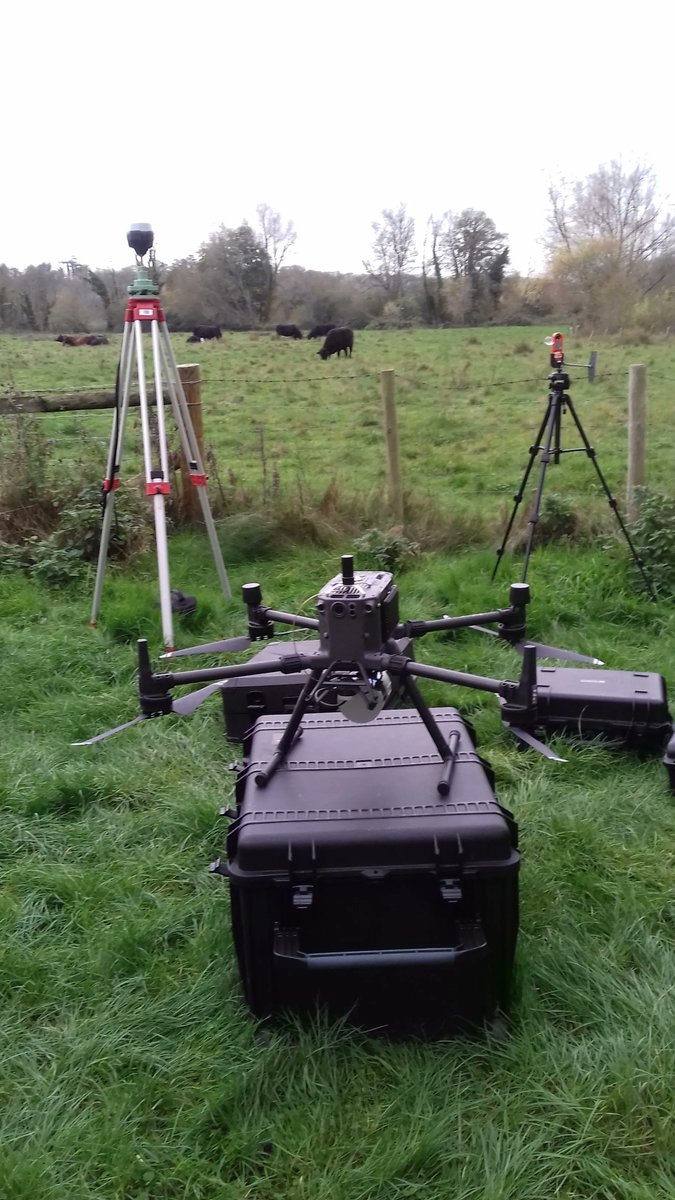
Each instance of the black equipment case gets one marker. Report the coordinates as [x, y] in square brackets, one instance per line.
[246, 699]
[631, 706]
[354, 884]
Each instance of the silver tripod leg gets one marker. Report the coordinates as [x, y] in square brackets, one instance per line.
[156, 480]
[113, 468]
[190, 447]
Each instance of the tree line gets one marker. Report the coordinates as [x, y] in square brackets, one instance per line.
[610, 246]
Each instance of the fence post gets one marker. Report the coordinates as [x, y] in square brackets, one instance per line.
[394, 490]
[190, 377]
[637, 435]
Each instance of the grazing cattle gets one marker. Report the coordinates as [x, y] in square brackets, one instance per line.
[192, 339]
[319, 331]
[336, 341]
[204, 333]
[291, 331]
[85, 339]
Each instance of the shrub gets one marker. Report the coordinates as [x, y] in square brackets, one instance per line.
[653, 534]
[557, 519]
[390, 551]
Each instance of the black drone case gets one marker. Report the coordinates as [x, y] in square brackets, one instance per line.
[246, 699]
[355, 885]
[630, 706]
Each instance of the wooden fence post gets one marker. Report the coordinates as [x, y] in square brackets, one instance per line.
[190, 377]
[394, 489]
[637, 435]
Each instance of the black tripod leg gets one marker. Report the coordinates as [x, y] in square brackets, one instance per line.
[552, 426]
[534, 450]
[447, 750]
[611, 500]
[287, 738]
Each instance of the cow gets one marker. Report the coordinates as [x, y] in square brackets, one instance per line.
[192, 339]
[85, 339]
[205, 333]
[291, 331]
[319, 331]
[336, 341]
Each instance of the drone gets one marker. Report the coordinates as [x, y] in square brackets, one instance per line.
[363, 660]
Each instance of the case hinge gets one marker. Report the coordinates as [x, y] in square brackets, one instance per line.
[302, 896]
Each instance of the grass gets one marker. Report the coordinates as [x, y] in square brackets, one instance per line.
[130, 1069]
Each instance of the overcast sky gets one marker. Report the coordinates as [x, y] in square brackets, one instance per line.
[189, 116]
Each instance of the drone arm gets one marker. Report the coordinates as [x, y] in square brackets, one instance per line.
[398, 665]
[290, 619]
[288, 664]
[415, 629]
[511, 620]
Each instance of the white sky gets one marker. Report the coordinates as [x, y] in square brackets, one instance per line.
[189, 116]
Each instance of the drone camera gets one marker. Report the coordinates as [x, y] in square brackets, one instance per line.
[141, 239]
[357, 611]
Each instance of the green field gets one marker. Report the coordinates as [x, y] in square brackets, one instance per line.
[130, 1069]
[469, 406]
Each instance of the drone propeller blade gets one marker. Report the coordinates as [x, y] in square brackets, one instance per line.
[109, 732]
[228, 646]
[544, 650]
[529, 740]
[186, 705]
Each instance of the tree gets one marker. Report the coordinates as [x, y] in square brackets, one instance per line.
[610, 243]
[478, 253]
[276, 239]
[229, 281]
[38, 289]
[616, 207]
[433, 265]
[393, 250]
[77, 308]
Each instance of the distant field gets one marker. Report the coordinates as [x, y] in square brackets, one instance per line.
[469, 405]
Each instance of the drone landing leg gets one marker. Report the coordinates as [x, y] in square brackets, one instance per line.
[287, 738]
[447, 750]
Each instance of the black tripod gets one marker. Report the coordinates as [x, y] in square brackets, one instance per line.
[550, 430]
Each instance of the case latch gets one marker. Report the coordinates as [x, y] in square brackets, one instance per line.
[302, 896]
[451, 891]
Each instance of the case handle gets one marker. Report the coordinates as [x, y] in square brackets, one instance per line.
[287, 952]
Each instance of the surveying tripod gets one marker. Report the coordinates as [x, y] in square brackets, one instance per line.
[144, 311]
[551, 450]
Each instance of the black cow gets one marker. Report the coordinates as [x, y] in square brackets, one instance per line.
[319, 331]
[288, 331]
[336, 341]
[192, 339]
[204, 333]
